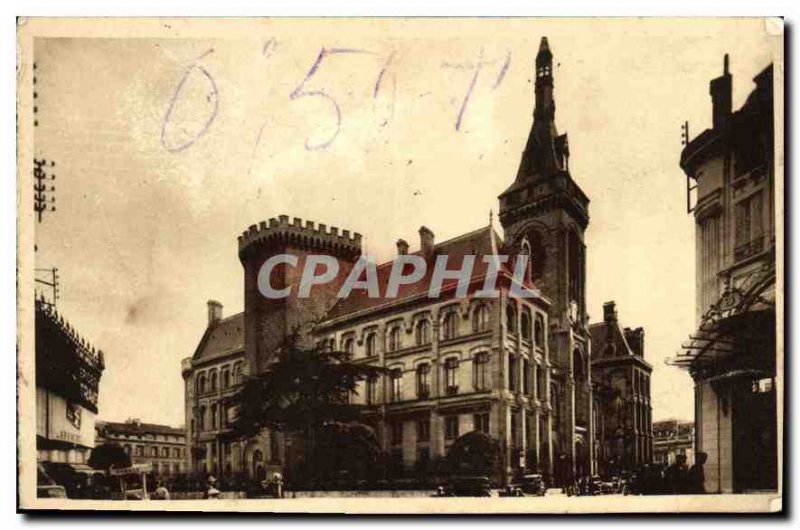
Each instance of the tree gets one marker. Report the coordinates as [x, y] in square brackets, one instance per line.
[106, 456]
[475, 453]
[304, 390]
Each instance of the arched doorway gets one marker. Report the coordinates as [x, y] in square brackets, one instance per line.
[259, 473]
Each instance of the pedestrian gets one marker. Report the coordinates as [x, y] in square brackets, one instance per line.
[161, 493]
[211, 490]
[696, 477]
[277, 481]
[676, 476]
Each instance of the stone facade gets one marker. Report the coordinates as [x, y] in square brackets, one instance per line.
[732, 354]
[622, 406]
[161, 446]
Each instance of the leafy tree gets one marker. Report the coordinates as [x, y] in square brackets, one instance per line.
[106, 456]
[475, 453]
[306, 390]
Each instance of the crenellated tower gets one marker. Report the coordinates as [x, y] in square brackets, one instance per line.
[544, 214]
[269, 321]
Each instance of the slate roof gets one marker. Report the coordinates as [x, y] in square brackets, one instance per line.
[223, 338]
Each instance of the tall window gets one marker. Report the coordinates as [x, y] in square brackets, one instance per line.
[201, 384]
[201, 417]
[397, 433]
[480, 371]
[348, 346]
[480, 422]
[214, 416]
[422, 334]
[538, 332]
[449, 325]
[423, 381]
[527, 333]
[541, 388]
[423, 431]
[397, 385]
[165, 452]
[511, 318]
[214, 381]
[451, 376]
[372, 342]
[512, 372]
[480, 318]
[749, 227]
[394, 338]
[526, 376]
[226, 378]
[451, 427]
[372, 390]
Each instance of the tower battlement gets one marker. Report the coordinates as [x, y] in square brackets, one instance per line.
[308, 235]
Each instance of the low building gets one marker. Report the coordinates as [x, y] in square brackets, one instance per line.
[68, 371]
[161, 446]
[672, 438]
[621, 381]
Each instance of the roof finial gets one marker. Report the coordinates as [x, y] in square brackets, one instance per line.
[725, 64]
[491, 217]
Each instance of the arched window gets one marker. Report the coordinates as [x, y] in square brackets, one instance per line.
[394, 338]
[578, 368]
[226, 378]
[480, 371]
[449, 325]
[423, 381]
[348, 347]
[238, 373]
[511, 318]
[422, 333]
[397, 385]
[451, 376]
[526, 325]
[201, 383]
[480, 318]
[214, 381]
[575, 267]
[372, 345]
[538, 332]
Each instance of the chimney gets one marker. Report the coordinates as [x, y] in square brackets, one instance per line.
[610, 312]
[214, 312]
[426, 241]
[402, 247]
[721, 96]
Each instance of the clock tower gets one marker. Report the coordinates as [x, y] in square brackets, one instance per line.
[544, 214]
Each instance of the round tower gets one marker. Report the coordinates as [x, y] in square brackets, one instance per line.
[269, 321]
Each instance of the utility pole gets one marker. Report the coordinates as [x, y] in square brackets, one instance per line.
[49, 277]
[40, 202]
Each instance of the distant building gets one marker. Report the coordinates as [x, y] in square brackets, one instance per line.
[68, 371]
[161, 446]
[732, 354]
[621, 381]
[672, 438]
[211, 376]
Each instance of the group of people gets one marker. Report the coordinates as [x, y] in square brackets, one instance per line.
[676, 479]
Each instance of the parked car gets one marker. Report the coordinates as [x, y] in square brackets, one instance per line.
[51, 492]
[531, 485]
[467, 486]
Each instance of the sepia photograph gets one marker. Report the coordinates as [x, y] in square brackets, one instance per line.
[400, 265]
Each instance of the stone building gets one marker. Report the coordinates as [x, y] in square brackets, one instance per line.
[515, 367]
[731, 356]
[68, 371]
[215, 371]
[622, 408]
[161, 446]
[672, 438]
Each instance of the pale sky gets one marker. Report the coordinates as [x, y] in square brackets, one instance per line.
[145, 233]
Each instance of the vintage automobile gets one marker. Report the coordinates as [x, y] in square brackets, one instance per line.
[532, 485]
[52, 491]
[465, 486]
